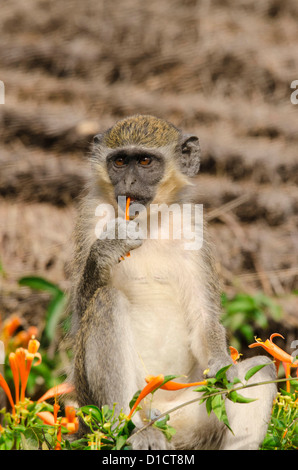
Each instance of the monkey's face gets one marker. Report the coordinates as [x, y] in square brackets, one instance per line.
[135, 173]
[146, 159]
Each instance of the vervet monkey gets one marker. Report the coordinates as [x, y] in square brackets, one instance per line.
[158, 310]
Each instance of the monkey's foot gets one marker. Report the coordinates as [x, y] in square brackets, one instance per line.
[150, 439]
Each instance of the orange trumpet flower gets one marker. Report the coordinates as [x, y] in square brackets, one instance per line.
[56, 409]
[24, 360]
[55, 391]
[272, 349]
[126, 218]
[10, 325]
[52, 419]
[58, 444]
[47, 417]
[15, 373]
[172, 386]
[153, 384]
[234, 354]
[5, 387]
[127, 209]
[23, 337]
[279, 354]
[20, 364]
[33, 347]
[70, 421]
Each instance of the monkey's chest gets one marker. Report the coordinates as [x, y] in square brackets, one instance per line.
[158, 326]
[157, 318]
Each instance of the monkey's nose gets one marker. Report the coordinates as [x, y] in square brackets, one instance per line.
[129, 181]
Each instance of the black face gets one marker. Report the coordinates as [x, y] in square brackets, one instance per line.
[135, 174]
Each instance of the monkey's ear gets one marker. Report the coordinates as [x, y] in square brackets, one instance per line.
[190, 155]
[97, 139]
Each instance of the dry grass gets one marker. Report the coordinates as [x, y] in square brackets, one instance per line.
[218, 68]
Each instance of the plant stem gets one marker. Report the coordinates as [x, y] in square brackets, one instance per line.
[198, 399]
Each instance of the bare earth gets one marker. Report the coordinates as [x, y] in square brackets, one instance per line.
[220, 69]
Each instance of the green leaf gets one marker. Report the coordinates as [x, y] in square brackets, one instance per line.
[120, 442]
[217, 404]
[163, 425]
[222, 372]
[107, 413]
[167, 430]
[29, 440]
[274, 308]
[270, 442]
[261, 319]
[134, 399]
[167, 378]
[247, 331]
[49, 440]
[94, 411]
[254, 370]
[202, 388]
[236, 381]
[8, 440]
[235, 320]
[39, 283]
[128, 428]
[56, 307]
[279, 424]
[224, 417]
[237, 398]
[295, 441]
[209, 405]
[55, 311]
[79, 443]
[160, 423]
[241, 303]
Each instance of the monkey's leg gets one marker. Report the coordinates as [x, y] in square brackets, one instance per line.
[249, 421]
[104, 370]
[208, 339]
[105, 362]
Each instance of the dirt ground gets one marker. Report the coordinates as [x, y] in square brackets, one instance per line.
[220, 69]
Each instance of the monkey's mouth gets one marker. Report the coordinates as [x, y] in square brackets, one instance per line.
[136, 204]
[135, 200]
[141, 201]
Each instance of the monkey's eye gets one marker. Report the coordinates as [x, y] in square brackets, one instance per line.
[145, 161]
[120, 161]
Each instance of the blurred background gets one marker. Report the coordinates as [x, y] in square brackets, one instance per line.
[219, 68]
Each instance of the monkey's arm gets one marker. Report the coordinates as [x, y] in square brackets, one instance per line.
[103, 255]
[217, 350]
[209, 345]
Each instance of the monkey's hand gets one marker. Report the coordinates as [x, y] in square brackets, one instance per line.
[150, 439]
[120, 237]
[216, 364]
[127, 233]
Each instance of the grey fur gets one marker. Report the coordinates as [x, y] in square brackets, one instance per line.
[161, 302]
